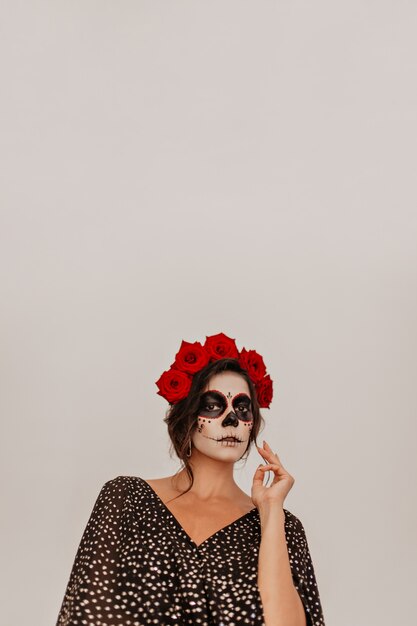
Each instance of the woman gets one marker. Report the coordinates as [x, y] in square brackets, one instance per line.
[193, 548]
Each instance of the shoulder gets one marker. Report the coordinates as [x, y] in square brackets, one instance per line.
[120, 482]
[294, 529]
[123, 496]
[162, 487]
[121, 487]
[291, 520]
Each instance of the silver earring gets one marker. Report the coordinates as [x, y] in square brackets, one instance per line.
[188, 453]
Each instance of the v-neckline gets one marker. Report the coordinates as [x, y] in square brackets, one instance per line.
[182, 529]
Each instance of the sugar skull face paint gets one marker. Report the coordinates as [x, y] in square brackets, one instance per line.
[225, 417]
[213, 404]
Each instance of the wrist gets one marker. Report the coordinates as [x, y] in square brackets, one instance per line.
[271, 511]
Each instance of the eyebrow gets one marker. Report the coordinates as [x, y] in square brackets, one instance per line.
[207, 394]
[243, 396]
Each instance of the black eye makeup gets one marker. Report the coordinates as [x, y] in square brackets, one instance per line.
[213, 403]
[242, 407]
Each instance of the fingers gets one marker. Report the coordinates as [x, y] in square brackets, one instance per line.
[259, 476]
[258, 479]
[267, 453]
[268, 467]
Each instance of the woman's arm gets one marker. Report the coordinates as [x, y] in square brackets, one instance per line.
[92, 590]
[281, 602]
[286, 578]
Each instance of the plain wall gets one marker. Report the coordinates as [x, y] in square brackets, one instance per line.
[171, 170]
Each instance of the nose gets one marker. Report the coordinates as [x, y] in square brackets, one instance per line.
[231, 419]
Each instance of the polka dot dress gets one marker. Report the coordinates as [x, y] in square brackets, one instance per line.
[136, 565]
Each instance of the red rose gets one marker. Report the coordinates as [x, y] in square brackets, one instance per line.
[264, 392]
[251, 361]
[221, 347]
[191, 357]
[173, 385]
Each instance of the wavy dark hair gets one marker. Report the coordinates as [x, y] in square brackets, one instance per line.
[181, 417]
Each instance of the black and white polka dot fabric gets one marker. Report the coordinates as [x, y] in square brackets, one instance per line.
[136, 565]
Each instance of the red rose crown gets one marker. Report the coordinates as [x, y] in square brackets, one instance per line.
[175, 383]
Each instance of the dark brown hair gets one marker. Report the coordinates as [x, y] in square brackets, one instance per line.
[181, 416]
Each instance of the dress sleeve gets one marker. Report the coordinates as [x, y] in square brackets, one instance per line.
[96, 576]
[303, 570]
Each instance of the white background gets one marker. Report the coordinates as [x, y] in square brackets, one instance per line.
[171, 170]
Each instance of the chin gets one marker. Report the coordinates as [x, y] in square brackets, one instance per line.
[230, 457]
[222, 452]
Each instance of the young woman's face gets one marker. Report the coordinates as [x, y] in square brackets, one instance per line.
[225, 417]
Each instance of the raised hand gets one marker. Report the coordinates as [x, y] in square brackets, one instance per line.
[263, 496]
